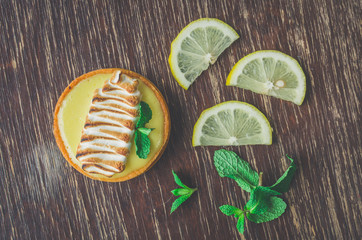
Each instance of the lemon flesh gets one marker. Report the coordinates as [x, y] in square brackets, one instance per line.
[197, 46]
[75, 107]
[232, 123]
[272, 73]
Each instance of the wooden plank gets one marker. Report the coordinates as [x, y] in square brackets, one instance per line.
[46, 44]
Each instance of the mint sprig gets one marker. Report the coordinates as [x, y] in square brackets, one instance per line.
[184, 192]
[143, 143]
[263, 205]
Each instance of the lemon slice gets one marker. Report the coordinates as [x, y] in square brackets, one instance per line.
[232, 123]
[272, 73]
[197, 46]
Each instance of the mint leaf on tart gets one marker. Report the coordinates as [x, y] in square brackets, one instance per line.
[145, 115]
[143, 143]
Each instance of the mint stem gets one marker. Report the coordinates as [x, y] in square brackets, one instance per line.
[260, 178]
[192, 190]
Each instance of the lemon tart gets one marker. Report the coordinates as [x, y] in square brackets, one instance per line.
[95, 120]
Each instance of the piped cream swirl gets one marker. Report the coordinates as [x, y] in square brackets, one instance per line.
[109, 127]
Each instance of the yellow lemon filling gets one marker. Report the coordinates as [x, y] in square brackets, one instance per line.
[74, 109]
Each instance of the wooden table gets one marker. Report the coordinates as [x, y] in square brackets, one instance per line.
[46, 44]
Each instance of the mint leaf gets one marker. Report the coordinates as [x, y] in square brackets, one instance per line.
[276, 207]
[145, 115]
[283, 183]
[259, 199]
[229, 164]
[230, 210]
[143, 144]
[178, 202]
[180, 191]
[178, 180]
[241, 223]
[146, 131]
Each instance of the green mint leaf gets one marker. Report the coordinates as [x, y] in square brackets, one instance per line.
[180, 191]
[178, 202]
[145, 115]
[143, 144]
[146, 131]
[230, 210]
[229, 164]
[241, 223]
[259, 200]
[283, 183]
[276, 207]
[178, 181]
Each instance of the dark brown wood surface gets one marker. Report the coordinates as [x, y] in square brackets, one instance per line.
[46, 44]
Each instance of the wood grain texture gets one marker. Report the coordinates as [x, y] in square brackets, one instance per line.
[46, 44]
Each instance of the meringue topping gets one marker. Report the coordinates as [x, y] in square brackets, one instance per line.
[110, 125]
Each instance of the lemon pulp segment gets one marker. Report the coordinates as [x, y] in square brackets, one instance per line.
[75, 107]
